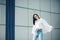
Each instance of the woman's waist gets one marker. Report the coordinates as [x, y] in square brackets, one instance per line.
[39, 29]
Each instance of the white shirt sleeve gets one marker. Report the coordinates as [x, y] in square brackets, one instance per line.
[47, 27]
[45, 23]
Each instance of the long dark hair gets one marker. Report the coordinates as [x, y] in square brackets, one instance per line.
[34, 18]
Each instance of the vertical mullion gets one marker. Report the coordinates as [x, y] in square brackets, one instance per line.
[10, 20]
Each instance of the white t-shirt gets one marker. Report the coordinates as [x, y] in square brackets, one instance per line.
[41, 23]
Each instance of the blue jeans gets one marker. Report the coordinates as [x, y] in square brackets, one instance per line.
[38, 34]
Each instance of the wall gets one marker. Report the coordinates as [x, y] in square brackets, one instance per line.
[2, 19]
[47, 9]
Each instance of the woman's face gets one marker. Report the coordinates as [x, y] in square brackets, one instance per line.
[36, 17]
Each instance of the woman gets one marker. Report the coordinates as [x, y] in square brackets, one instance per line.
[40, 26]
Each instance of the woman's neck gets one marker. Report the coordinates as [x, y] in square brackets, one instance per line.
[37, 19]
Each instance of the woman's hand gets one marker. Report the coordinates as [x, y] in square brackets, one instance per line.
[53, 28]
[32, 33]
[37, 28]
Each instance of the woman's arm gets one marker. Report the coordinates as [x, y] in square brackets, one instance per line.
[45, 24]
[33, 29]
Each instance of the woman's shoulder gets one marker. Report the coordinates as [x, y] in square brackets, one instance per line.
[42, 18]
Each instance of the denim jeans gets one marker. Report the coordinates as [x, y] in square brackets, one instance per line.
[38, 35]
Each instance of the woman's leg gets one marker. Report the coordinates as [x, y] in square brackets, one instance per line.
[35, 36]
[41, 36]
